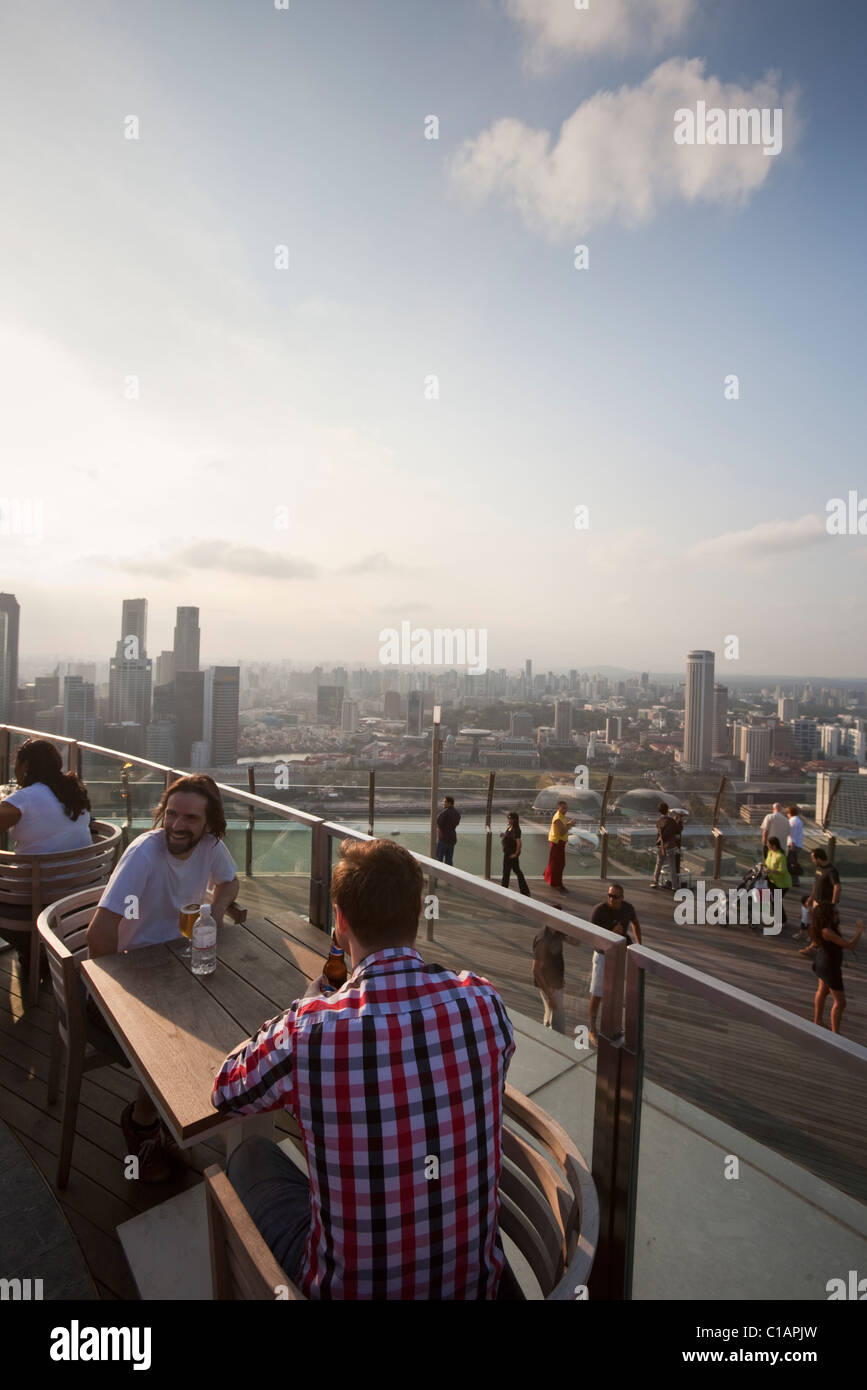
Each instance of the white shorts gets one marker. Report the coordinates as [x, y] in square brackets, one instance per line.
[597, 970]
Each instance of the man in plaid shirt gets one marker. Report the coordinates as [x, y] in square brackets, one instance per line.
[396, 1081]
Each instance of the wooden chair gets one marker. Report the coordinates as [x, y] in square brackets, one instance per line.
[548, 1207]
[35, 880]
[242, 1265]
[63, 931]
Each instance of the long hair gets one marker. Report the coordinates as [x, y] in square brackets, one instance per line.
[514, 823]
[823, 915]
[202, 785]
[39, 761]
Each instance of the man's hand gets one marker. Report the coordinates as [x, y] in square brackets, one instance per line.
[316, 986]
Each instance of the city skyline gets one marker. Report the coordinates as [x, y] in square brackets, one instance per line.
[299, 354]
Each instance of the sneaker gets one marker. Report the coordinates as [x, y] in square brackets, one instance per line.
[154, 1164]
[654, 885]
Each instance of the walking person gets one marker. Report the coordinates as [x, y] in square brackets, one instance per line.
[828, 965]
[777, 871]
[616, 915]
[558, 836]
[794, 844]
[549, 976]
[448, 821]
[511, 841]
[826, 889]
[667, 840]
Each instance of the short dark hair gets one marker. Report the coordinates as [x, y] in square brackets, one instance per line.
[615, 888]
[818, 854]
[202, 785]
[377, 885]
[792, 811]
[663, 808]
[449, 800]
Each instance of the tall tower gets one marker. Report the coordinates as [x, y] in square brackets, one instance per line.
[698, 721]
[134, 623]
[187, 637]
[720, 741]
[9, 619]
[130, 671]
[220, 714]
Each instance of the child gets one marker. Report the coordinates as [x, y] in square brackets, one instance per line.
[804, 932]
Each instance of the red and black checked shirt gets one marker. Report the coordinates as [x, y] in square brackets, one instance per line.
[404, 1065]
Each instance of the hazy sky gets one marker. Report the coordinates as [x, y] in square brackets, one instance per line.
[282, 467]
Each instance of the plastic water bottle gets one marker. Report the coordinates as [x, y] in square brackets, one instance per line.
[204, 947]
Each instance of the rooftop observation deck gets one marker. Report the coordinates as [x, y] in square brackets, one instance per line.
[717, 1061]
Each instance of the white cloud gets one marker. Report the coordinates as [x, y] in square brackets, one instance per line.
[556, 26]
[616, 157]
[767, 539]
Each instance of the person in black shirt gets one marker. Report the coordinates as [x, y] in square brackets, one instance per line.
[615, 915]
[826, 889]
[511, 839]
[667, 839]
[828, 965]
[448, 821]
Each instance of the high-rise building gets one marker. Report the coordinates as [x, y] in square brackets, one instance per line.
[124, 737]
[720, 739]
[613, 728]
[563, 720]
[521, 724]
[162, 742]
[189, 713]
[47, 691]
[134, 623]
[79, 709]
[756, 744]
[329, 698]
[806, 737]
[220, 714]
[415, 712]
[164, 702]
[165, 668]
[10, 613]
[698, 721]
[786, 709]
[130, 670]
[391, 704]
[349, 717]
[187, 637]
[830, 737]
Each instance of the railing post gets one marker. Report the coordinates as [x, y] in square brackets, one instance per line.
[319, 876]
[603, 833]
[826, 821]
[124, 783]
[251, 821]
[434, 784]
[612, 1118]
[4, 754]
[716, 832]
[73, 758]
[488, 831]
[371, 795]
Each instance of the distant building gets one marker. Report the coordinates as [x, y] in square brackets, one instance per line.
[755, 751]
[47, 691]
[125, 737]
[562, 720]
[698, 720]
[805, 737]
[521, 724]
[187, 637]
[220, 714]
[830, 739]
[329, 699]
[613, 728]
[79, 709]
[849, 811]
[720, 746]
[189, 713]
[165, 668]
[161, 742]
[391, 702]
[415, 712]
[349, 717]
[130, 672]
[787, 709]
[10, 613]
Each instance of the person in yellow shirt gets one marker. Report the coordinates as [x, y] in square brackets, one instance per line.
[557, 838]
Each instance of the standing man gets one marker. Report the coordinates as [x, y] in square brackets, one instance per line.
[667, 839]
[158, 874]
[775, 823]
[615, 915]
[558, 836]
[826, 889]
[794, 844]
[448, 821]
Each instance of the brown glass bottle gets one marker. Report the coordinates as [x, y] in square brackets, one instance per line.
[334, 971]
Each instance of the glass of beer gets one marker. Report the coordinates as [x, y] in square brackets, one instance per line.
[186, 923]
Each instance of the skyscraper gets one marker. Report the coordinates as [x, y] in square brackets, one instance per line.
[329, 698]
[756, 745]
[720, 741]
[220, 714]
[79, 709]
[9, 620]
[349, 717]
[189, 712]
[563, 721]
[165, 669]
[698, 719]
[187, 636]
[129, 674]
[414, 712]
[134, 623]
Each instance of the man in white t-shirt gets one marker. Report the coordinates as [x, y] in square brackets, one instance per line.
[160, 873]
[775, 823]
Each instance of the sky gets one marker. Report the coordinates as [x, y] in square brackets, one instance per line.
[268, 349]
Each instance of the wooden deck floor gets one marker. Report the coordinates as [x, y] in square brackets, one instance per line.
[738, 1074]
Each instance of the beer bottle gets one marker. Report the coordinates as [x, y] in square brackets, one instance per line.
[334, 970]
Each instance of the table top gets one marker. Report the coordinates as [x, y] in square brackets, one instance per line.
[176, 1027]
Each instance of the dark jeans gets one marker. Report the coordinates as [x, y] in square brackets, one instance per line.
[276, 1194]
[445, 853]
[513, 866]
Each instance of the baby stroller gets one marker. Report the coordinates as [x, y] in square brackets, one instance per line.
[756, 885]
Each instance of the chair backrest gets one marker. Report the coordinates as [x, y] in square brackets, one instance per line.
[548, 1201]
[63, 929]
[35, 880]
[242, 1265]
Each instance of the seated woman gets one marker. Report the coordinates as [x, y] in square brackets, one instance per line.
[49, 812]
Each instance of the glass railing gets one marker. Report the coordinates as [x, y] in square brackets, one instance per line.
[748, 1178]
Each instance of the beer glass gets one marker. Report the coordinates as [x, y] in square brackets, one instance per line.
[186, 923]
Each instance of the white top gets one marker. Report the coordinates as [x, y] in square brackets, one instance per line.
[775, 823]
[796, 832]
[150, 886]
[44, 826]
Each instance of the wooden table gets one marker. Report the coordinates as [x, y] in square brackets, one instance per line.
[176, 1027]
